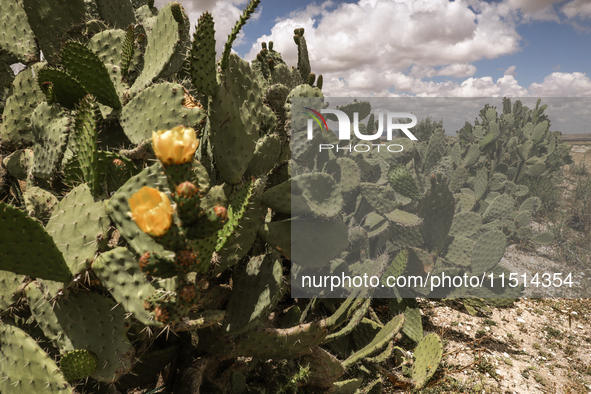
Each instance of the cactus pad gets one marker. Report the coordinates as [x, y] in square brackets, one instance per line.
[25, 367]
[427, 358]
[24, 244]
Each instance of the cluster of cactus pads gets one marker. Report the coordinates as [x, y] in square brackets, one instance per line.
[149, 188]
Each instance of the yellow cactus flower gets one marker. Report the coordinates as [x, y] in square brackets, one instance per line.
[175, 146]
[151, 210]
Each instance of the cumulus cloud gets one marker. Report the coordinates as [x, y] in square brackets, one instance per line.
[563, 85]
[511, 71]
[577, 9]
[393, 47]
[540, 10]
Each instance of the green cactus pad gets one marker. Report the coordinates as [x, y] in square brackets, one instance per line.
[234, 115]
[396, 267]
[459, 252]
[465, 224]
[128, 50]
[315, 193]
[472, 156]
[403, 182]
[277, 235]
[240, 241]
[413, 326]
[87, 67]
[52, 22]
[16, 118]
[118, 14]
[403, 219]
[464, 202]
[108, 46]
[379, 341]
[324, 368]
[303, 61]
[458, 179]
[266, 155]
[546, 238]
[203, 68]
[66, 90]
[86, 320]
[375, 224]
[488, 251]
[39, 203]
[9, 283]
[502, 207]
[435, 150]
[25, 367]
[79, 227]
[382, 198]
[236, 212]
[16, 36]
[159, 107]
[78, 364]
[349, 386]
[437, 211]
[51, 126]
[166, 47]
[257, 289]
[481, 183]
[345, 172]
[404, 237]
[25, 244]
[365, 332]
[427, 357]
[19, 163]
[531, 205]
[84, 146]
[119, 272]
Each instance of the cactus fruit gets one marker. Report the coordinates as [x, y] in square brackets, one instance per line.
[78, 364]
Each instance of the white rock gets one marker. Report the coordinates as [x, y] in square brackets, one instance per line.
[520, 320]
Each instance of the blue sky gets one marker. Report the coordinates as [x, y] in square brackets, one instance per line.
[464, 48]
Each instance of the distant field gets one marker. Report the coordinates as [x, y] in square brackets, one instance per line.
[576, 137]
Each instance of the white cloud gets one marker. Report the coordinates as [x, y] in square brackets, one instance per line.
[563, 85]
[511, 71]
[577, 9]
[540, 10]
[453, 70]
[392, 47]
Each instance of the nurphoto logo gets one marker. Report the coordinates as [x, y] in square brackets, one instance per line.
[344, 132]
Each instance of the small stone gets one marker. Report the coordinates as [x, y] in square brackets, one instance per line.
[520, 320]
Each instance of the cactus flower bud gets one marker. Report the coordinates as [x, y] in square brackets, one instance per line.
[221, 212]
[151, 210]
[175, 146]
[187, 190]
